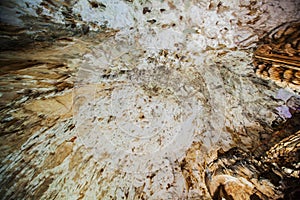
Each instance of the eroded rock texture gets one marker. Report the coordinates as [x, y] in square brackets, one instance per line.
[140, 100]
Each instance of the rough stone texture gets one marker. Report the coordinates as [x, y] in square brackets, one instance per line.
[129, 99]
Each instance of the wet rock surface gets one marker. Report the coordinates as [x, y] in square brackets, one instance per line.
[134, 99]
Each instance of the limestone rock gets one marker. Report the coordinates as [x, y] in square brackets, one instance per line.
[131, 99]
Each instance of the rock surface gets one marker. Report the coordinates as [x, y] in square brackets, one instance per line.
[129, 99]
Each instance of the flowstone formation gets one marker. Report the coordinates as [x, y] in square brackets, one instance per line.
[133, 99]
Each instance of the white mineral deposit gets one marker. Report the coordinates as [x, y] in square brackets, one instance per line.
[130, 99]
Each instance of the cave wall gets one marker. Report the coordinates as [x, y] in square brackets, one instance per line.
[105, 99]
